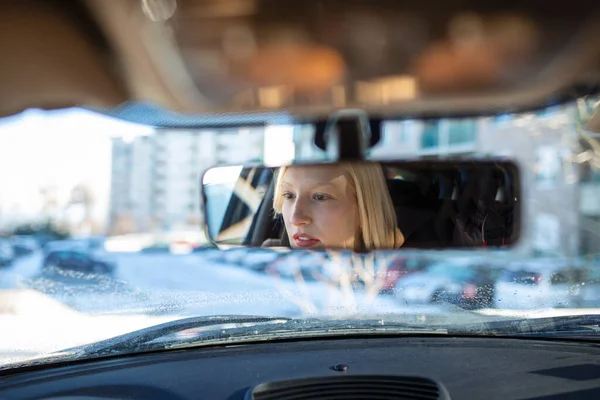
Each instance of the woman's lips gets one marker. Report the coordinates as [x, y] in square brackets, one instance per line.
[304, 240]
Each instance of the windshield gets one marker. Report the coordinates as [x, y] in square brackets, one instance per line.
[522, 277]
[102, 231]
[451, 270]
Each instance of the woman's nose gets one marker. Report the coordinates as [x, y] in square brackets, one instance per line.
[300, 215]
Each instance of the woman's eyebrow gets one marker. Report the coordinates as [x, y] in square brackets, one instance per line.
[318, 184]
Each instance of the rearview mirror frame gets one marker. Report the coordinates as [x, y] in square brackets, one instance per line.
[500, 163]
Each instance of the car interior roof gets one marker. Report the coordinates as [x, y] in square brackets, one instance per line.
[59, 59]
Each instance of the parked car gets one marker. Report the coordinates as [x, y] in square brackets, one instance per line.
[157, 248]
[24, 245]
[589, 288]
[259, 259]
[310, 265]
[201, 248]
[468, 284]
[255, 259]
[69, 244]
[80, 261]
[7, 254]
[399, 268]
[538, 284]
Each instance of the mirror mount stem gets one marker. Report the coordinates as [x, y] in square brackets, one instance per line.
[348, 135]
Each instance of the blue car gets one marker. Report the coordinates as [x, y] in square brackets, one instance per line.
[79, 261]
[7, 254]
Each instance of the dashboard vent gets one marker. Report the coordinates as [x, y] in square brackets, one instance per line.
[351, 387]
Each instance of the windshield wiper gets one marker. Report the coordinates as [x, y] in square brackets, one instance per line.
[132, 340]
[587, 325]
[309, 328]
[261, 328]
[272, 328]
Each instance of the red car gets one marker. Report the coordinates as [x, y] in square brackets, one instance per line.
[399, 268]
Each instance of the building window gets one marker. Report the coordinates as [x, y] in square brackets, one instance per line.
[430, 137]
[461, 132]
[448, 134]
[397, 132]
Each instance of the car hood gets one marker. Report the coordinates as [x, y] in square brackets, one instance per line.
[422, 322]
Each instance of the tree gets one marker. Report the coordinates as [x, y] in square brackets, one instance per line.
[82, 196]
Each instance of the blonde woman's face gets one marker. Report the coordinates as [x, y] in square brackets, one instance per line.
[319, 208]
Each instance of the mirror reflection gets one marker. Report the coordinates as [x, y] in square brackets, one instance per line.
[364, 206]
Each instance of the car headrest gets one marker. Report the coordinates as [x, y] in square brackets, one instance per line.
[413, 207]
[409, 194]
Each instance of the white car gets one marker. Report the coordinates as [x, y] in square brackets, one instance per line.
[537, 284]
[308, 264]
[441, 281]
[256, 259]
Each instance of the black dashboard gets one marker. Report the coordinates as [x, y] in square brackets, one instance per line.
[369, 368]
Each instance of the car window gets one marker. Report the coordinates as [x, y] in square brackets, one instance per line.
[62, 256]
[522, 277]
[53, 257]
[453, 271]
[412, 264]
[238, 197]
[559, 278]
[78, 256]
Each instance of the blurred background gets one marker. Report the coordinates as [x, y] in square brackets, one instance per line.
[101, 216]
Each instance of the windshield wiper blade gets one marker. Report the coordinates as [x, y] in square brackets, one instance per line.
[272, 327]
[308, 328]
[566, 325]
[585, 326]
[131, 340]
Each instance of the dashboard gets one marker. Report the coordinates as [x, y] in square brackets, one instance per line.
[341, 368]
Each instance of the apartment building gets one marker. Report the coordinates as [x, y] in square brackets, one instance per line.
[155, 182]
[541, 143]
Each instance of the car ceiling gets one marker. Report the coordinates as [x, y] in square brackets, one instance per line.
[102, 54]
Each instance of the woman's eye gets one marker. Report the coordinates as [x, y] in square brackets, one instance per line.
[321, 197]
[288, 195]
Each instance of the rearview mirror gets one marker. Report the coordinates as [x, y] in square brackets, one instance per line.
[364, 206]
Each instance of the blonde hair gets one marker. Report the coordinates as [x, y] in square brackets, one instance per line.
[377, 217]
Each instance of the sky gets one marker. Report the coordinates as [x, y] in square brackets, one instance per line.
[62, 148]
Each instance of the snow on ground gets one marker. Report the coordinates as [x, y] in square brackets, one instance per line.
[47, 313]
[13, 276]
[164, 283]
[34, 324]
